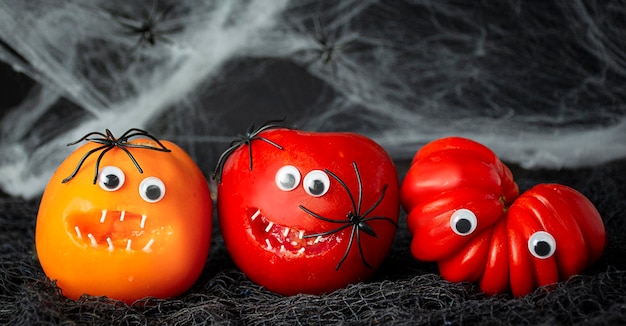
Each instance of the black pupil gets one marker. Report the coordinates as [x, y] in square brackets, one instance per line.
[288, 180]
[463, 226]
[153, 192]
[317, 187]
[542, 248]
[112, 181]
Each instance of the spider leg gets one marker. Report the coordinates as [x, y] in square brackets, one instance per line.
[345, 255]
[139, 132]
[159, 149]
[358, 179]
[380, 199]
[85, 137]
[344, 186]
[132, 158]
[249, 143]
[222, 159]
[268, 141]
[95, 177]
[315, 235]
[320, 216]
[358, 242]
[384, 218]
[82, 160]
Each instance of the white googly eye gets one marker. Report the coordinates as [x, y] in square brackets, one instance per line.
[316, 183]
[111, 178]
[287, 178]
[463, 222]
[542, 244]
[152, 189]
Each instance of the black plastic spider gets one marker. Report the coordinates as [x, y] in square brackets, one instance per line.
[355, 219]
[150, 28]
[246, 139]
[329, 47]
[109, 142]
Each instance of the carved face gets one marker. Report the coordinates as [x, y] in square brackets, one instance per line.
[316, 211]
[130, 234]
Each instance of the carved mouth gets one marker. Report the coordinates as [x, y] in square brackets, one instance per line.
[112, 230]
[282, 239]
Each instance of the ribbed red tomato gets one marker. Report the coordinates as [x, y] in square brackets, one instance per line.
[465, 213]
[307, 212]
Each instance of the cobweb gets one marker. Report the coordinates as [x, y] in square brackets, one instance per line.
[541, 83]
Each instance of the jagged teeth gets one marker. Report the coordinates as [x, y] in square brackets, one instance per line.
[147, 248]
[94, 243]
[318, 239]
[301, 234]
[110, 242]
[255, 215]
[267, 242]
[269, 227]
[142, 224]
[286, 232]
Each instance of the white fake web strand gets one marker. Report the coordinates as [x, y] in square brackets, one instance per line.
[541, 84]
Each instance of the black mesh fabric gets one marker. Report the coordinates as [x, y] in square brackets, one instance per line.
[404, 291]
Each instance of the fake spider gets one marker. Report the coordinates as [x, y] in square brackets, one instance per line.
[109, 142]
[354, 219]
[329, 47]
[150, 28]
[246, 139]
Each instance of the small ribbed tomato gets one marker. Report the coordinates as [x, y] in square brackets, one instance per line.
[465, 213]
[125, 219]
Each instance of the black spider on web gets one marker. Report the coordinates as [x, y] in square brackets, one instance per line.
[150, 28]
[108, 142]
[330, 46]
[355, 219]
[246, 139]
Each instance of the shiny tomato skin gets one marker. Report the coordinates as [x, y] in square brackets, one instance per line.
[452, 176]
[256, 242]
[570, 218]
[83, 231]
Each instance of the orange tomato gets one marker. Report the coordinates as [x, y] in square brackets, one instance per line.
[131, 234]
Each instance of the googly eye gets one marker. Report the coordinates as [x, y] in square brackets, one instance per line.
[111, 178]
[541, 244]
[463, 222]
[287, 178]
[152, 189]
[316, 183]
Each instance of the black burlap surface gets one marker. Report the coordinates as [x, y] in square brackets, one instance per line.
[404, 291]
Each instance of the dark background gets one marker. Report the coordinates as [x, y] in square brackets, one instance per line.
[541, 83]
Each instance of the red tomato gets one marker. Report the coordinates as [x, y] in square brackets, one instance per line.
[465, 213]
[306, 212]
[125, 224]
